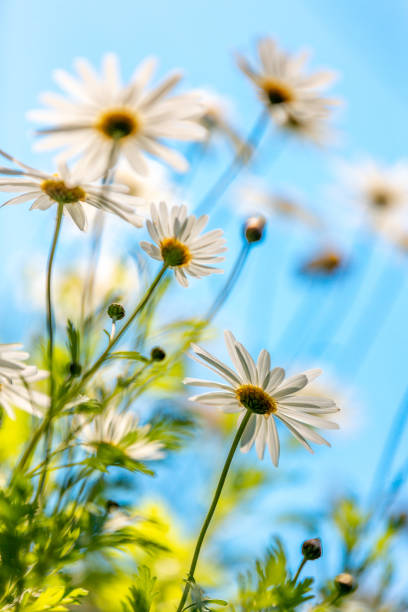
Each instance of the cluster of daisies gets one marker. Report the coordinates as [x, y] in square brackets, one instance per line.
[101, 121]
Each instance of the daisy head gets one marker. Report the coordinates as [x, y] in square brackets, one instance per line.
[378, 190]
[267, 395]
[103, 118]
[120, 431]
[16, 378]
[289, 93]
[179, 243]
[46, 190]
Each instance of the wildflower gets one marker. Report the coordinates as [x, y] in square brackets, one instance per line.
[267, 395]
[121, 431]
[102, 118]
[291, 96]
[45, 190]
[179, 244]
[15, 380]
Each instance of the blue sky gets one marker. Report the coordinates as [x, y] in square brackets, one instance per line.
[365, 42]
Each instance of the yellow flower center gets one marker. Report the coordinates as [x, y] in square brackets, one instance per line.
[277, 92]
[174, 252]
[256, 399]
[58, 191]
[118, 123]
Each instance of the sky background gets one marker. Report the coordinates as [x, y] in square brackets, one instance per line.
[366, 44]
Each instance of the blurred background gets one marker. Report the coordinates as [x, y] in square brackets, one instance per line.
[345, 313]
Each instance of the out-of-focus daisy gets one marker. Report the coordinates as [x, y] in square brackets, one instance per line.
[154, 186]
[102, 118]
[49, 189]
[253, 196]
[115, 281]
[15, 380]
[267, 395]
[327, 262]
[378, 190]
[122, 431]
[179, 243]
[292, 96]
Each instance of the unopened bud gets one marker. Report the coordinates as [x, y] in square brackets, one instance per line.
[157, 354]
[254, 229]
[345, 583]
[111, 505]
[75, 369]
[116, 312]
[312, 549]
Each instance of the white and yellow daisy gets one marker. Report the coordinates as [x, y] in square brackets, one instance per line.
[104, 118]
[120, 430]
[379, 191]
[266, 393]
[15, 380]
[45, 190]
[291, 95]
[179, 243]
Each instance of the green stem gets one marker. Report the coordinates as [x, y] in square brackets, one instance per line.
[301, 566]
[241, 158]
[213, 506]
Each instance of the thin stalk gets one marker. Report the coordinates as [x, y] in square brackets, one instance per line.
[213, 506]
[301, 566]
[238, 162]
[230, 282]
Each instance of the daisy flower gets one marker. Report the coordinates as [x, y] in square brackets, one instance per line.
[377, 190]
[291, 96]
[103, 118]
[179, 243]
[122, 431]
[267, 395]
[45, 190]
[15, 380]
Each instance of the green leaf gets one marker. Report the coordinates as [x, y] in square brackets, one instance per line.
[142, 593]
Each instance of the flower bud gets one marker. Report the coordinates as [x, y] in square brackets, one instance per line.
[312, 549]
[111, 505]
[254, 229]
[75, 369]
[345, 583]
[157, 354]
[116, 312]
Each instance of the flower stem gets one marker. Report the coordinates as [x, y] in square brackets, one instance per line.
[213, 506]
[301, 566]
[231, 280]
[241, 158]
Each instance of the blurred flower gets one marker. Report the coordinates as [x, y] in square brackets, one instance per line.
[379, 191]
[115, 280]
[254, 196]
[290, 95]
[120, 430]
[104, 118]
[179, 245]
[326, 263]
[257, 388]
[217, 111]
[49, 189]
[153, 186]
[15, 380]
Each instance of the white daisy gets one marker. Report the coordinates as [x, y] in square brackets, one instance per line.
[103, 118]
[15, 380]
[377, 190]
[291, 95]
[267, 395]
[49, 189]
[121, 430]
[179, 244]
